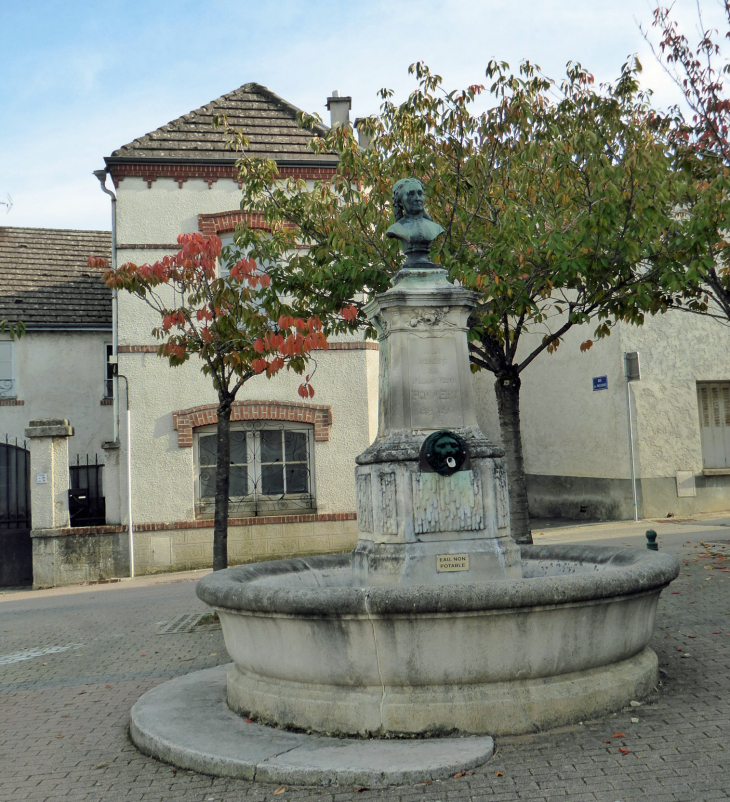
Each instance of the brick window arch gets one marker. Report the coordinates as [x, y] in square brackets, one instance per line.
[220, 222]
[320, 417]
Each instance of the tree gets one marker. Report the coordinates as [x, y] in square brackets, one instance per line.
[230, 323]
[556, 203]
[701, 283]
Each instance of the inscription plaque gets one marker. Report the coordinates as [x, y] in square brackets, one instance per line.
[448, 563]
[435, 389]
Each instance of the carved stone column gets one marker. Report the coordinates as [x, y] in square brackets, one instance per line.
[415, 525]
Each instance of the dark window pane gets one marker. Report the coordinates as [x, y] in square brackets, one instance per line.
[207, 450]
[272, 480]
[271, 446]
[296, 446]
[238, 448]
[207, 483]
[297, 478]
[238, 481]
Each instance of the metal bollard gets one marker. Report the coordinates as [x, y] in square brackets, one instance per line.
[651, 540]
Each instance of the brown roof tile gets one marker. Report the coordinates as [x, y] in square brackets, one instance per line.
[45, 280]
[267, 120]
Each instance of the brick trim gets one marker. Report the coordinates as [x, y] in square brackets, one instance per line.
[149, 246]
[364, 345]
[185, 420]
[208, 172]
[273, 519]
[11, 402]
[107, 402]
[219, 222]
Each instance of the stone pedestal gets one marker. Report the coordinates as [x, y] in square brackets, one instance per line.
[415, 525]
[48, 444]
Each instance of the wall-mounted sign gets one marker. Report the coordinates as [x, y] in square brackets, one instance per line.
[452, 562]
[600, 382]
[42, 478]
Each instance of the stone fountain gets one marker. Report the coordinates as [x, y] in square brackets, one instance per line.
[438, 623]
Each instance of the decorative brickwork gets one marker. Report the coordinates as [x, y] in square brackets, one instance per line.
[107, 402]
[228, 221]
[208, 172]
[186, 420]
[11, 402]
[363, 345]
[161, 526]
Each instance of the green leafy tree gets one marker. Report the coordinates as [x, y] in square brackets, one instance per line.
[700, 143]
[556, 203]
[230, 323]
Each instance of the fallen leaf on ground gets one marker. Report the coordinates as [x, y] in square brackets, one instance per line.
[717, 633]
[101, 765]
[45, 664]
[213, 654]
[279, 790]
[636, 720]
[624, 751]
[426, 782]
[143, 654]
[60, 735]
[357, 790]
[606, 742]
[80, 692]
[691, 636]
[460, 774]
[618, 735]
[107, 686]
[185, 659]
[498, 774]
[634, 703]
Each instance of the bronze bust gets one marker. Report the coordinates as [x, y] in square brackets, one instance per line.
[413, 227]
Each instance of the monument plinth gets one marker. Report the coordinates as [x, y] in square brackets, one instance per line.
[418, 524]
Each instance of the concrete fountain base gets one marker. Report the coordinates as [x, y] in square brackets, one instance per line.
[568, 641]
[187, 722]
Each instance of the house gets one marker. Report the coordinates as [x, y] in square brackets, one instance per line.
[58, 369]
[575, 422]
[292, 473]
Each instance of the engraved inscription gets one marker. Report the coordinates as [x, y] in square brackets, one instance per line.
[447, 503]
[364, 503]
[500, 476]
[447, 563]
[435, 390]
[387, 494]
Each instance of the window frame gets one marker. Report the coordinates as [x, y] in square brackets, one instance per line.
[8, 385]
[714, 437]
[257, 504]
[108, 386]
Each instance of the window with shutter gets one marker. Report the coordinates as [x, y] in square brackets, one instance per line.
[714, 408]
[7, 380]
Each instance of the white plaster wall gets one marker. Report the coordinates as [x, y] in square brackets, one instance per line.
[61, 375]
[163, 473]
[676, 350]
[567, 428]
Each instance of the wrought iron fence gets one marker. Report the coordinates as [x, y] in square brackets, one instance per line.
[7, 388]
[14, 485]
[270, 469]
[86, 502]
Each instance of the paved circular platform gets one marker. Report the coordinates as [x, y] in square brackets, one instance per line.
[188, 723]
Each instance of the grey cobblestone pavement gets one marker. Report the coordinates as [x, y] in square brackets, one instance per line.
[74, 660]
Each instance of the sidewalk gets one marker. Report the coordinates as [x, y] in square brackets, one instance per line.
[74, 660]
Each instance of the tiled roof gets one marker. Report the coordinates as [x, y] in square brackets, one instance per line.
[267, 120]
[45, 280]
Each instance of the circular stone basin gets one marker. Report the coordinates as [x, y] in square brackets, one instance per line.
[565, 643]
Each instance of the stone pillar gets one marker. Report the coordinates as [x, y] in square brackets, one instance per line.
[48, 439]
[417, 526]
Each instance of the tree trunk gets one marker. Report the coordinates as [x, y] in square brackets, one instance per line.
[507, 389]
[222, 484]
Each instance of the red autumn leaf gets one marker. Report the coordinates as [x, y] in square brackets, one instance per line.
[618, 735]
[498, 774]
[624, 751]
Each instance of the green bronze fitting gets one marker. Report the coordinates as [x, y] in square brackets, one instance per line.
[413, 228]
[652, 545]
[444, 452]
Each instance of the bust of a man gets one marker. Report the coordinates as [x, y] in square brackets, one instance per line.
[413, 227]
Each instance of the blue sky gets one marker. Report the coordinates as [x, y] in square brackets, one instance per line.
[81, 79]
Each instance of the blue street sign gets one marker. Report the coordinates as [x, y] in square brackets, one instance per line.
[600, 382]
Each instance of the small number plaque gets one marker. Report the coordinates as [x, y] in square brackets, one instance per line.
[452, 562]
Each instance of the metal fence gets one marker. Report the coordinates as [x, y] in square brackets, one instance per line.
[86, 502]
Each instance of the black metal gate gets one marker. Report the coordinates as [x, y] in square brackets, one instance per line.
[16, 554]
[86, 502]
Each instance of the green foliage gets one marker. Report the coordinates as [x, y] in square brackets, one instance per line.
[13, 329]
[556, 201]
